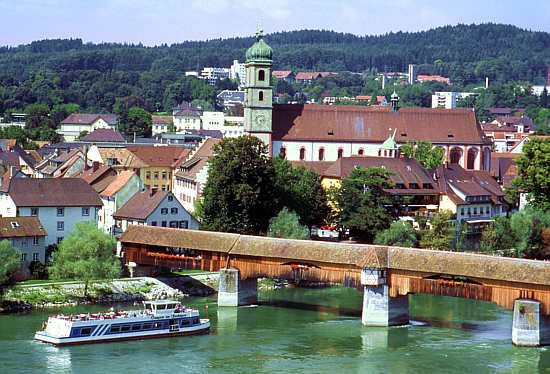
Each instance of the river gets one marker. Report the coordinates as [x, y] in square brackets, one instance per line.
[294, 331]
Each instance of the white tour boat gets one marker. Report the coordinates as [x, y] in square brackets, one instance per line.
[157, 319]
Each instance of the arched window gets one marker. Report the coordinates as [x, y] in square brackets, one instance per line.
[361, 152]
[379, 153]
[302, 153]
[283, 152]
[340, 153]
[261, 75]
[321, 154]
[261, 96]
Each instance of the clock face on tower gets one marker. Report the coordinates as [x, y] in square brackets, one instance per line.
[260, 119]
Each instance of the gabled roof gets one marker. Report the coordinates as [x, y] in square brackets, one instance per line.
[306, 75]
[312, 122]
[122, 157]
[9, 158]
[504, 167]
[164, 120]
[27, 158]
[52, 192]
[103, 135]
[164, 156]
[211, 133]
[117, 183]
[187, 113]
[12, 227]
[88, 119]
[141, 205]
[407, 171]
[282, 74]
[199, 160]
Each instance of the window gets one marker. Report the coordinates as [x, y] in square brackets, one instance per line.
[14, 224]
[35, 256]
[184, 224]
[35, 240]
[164, 211]
[158, 325]
[23, 257]
[174, 224]
[34, 212]
[174, 211]
[302, 153]
[154, 223]
[60, 225]
[59, 239]
[85, 211]
[321, 154]
[115, 329]
[148, 175]
[283, 152]
[340, 153]
[163, 223]
[462, 211]
[156, 175]
[475, 211]
[163, 175]
[361, 152]
[86, 331]
[196, 320]
[125, 328]
[487, 210]
[164, 187]
[261, 96]
[147, 325]
[137, 326]
[261, 75]
[170, 198]
[60, 212]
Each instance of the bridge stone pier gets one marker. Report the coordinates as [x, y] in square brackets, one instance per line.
[234, 291]
[530, 327]
[379, 309]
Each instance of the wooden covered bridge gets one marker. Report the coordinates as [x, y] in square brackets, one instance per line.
[392, 272]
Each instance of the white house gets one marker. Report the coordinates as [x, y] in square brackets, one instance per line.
[59, 203]
[187, 119]
[73, 125]
[117, 193]
[448, 100]
[150, 208]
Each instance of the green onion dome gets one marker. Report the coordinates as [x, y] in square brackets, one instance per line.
[259, 51]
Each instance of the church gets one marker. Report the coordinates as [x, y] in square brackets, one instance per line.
[312, 132]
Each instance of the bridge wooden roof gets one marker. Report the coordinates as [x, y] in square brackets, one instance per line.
[360, 255]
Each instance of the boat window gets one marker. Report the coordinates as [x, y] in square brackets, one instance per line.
[158, 325]
[86, 331]
[147, 326]
[170, 306]
[195, 320]
[115, 328]
[136, 326]
[125, 328]
[185, 322]
[161, 307]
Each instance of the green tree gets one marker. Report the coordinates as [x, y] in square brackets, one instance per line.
[301, 191]
[287, 225]
[497, 236]
[534, 172]
[363, 205]
[138, 121]
[171, 127]
[439, 235]
[82, 134]
[86, 254]
[373, 100]
[400, 233]
[424, 153]
[239, 194]
[10, 258]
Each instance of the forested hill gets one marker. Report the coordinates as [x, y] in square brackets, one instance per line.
[466, 53]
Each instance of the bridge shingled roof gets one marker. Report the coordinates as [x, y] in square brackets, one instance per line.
[470, 265]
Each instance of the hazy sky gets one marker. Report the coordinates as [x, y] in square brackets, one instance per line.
[167, 21]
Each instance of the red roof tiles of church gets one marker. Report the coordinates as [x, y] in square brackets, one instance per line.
[312, 122]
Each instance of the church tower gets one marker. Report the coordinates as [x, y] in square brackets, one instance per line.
[258, 95]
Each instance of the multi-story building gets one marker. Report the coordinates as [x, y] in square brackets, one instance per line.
[238, 72]
[211, 74]
[191, 175]
[150, 208]
[59, 203]
[72, 126]
[186, 119]
[448, 100]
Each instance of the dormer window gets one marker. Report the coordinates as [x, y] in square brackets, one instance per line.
[14, 224]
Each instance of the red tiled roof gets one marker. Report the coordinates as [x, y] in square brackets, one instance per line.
[281, 74]
[187, 113]
[312, 122]
[200, 159]
[11, 227]
[78, 118]
[306, 75]
[117, 183]
[141, 205]
[103, 135]
[52, 192]
[163, 156]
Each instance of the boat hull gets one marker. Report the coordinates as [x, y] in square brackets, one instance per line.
[202, 328]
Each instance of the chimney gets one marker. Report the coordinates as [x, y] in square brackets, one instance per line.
[95, 166]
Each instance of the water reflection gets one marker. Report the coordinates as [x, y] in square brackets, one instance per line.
[57, 358]
[374, 338]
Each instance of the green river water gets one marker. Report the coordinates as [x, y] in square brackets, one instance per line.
[294, 331]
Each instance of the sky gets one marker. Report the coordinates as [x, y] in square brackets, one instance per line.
[154, 22]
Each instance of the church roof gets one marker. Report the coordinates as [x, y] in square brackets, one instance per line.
[312, 122]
